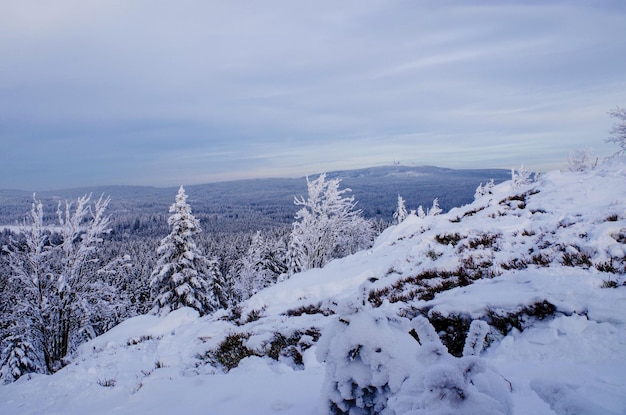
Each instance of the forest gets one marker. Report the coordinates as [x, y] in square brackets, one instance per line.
[73, 264]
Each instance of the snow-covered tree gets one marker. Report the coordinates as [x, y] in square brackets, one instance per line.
[618, 131]
[19, 357]
[57, 278]
[260, 267]
[582, 160]
[520, 178]
[435, 209]
[401, 213]
[327, 226]
[183, 275]
[479, 192]
[420, 212]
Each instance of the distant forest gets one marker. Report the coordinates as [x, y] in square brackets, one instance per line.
[262, 204]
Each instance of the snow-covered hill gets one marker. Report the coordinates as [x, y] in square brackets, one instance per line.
[543, 265]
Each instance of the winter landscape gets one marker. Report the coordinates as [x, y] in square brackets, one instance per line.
[511, 304]
[365, 207]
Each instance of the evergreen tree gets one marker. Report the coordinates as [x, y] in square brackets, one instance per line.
[435, 209]
[400, 214]
[19, 357]
[183, 275]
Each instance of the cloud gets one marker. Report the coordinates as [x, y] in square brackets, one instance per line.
[149, 92]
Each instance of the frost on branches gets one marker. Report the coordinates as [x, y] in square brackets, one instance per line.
[618, 131]
[400, 214]
[60, 297]
[327, 226]
[183, 276]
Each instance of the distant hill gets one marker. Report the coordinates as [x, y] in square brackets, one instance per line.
[263, 203]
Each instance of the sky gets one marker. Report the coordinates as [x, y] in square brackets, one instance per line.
[149, 92]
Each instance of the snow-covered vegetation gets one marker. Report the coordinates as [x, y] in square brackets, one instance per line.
[512, 304]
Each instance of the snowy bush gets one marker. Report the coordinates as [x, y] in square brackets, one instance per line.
[364, 351]
[520, 178]
[442, 384]
[230, 352]
[581, 160]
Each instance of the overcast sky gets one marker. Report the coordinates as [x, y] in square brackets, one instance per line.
[184, 92]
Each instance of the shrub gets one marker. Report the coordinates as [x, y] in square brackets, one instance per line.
[576, 259]
[448, 239]
[505, 321]
[485, 240]
[609, 284]
[607, 266]
[433, 255]
[255, 315]
[452, 330]
[309, 309]
[230, 352]
[291, 347]
[515, 263]
[106, 383]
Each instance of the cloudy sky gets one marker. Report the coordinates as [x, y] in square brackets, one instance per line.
[192, 91]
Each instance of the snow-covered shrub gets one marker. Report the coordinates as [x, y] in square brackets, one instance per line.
[289, 348]
[506, 320]
[520, 178]
[481, 190]
[365, 353]
[230, 352]
[443, 384]
[581, 160]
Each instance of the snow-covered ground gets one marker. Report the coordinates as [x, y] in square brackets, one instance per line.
[557, 241]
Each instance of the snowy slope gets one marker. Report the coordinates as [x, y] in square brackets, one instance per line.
[542, 264]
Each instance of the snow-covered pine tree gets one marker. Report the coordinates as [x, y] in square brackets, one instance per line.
[327, 226]
[183, 275]
[19, 357]
[401, 213]
[420, 212]
[435, 209]
[479, 192]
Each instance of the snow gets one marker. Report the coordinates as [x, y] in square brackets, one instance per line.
[571, 362]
